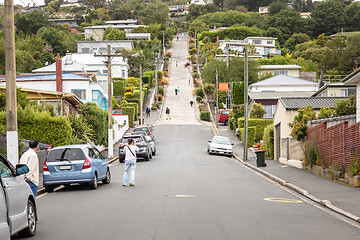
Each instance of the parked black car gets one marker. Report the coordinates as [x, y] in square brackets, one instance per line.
[144, 147]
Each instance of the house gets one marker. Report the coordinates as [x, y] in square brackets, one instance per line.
[59, 77]
[305, 14]
[264, 11]
[63, 15]
[262, 45]
[201, 2]
[101, 46]
[62, 21]
[269, 91]
[335, 90]
[121, 22]
[138, 36]
[97, 32]
[285, 147]
[287, 70]
[69, 102]
[354, 78]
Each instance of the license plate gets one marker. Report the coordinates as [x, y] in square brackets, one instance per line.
[221, 152]
[65, 167]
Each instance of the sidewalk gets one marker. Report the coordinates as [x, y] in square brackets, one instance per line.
[336, 196]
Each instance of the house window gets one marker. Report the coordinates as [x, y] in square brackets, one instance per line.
[117, 48]
[256, 41]
[269, 42]
[105, 71]
[80, 93]
[87, 30]
[283, 72]
[123, 73]
[102, 50]
[85, 50]
[344, 92]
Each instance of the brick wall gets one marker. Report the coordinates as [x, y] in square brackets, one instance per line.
[338, 144]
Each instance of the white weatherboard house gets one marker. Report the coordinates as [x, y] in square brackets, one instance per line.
[101, 46]
[268, 91]
[288, 70]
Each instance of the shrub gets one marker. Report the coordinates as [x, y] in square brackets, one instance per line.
[205, 116]
[164, 81]
[196, 75]
[199, 98]
[160, 97]
[130, 112]
[115, 104]
[259, 124]
[257, 111]
[119, 87]
[268, 141]
[82, 132]
[236, 113]
[199, 92]
[251, 135]
[192, 51]
[148, 79]
[136, 109]
[299, 124]
[128, 90]
[311, 153]
[325, 112]
[96, 117]
[345, 106]
[136, 94]
[354, 168]
[133, 82]
[128, 95]
[161, 90]
[123, 102]
[209, 89]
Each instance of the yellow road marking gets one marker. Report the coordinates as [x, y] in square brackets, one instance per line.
[283, 200]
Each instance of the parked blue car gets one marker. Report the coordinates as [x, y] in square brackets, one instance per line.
[82, 164]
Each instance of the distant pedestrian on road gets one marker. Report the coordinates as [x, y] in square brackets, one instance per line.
[176, 91]
[176, 63]
[189, 81]
[167, 112]
[31, 159]
[130, 162]
[191, 103]
[148, 111]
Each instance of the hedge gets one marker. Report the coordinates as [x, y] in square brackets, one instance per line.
[205, 116]
[41, 126]
[259, 124]
[130, 112]
[251, 135]
[119, 87]
[147, 79]
[268, 143]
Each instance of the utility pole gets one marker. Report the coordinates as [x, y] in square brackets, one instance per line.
[141, 98]
[156, 82]
[217, 100]
[246, 75]
[10, 76]
[110, 125]
[163, 43]
[197, 53]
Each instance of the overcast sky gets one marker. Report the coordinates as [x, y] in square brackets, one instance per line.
[37, 2]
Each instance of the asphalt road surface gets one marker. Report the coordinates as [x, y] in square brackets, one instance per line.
[183, 193]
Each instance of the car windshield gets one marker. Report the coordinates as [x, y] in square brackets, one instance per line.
[66, 153]
[144, 129]
[224, 141]
[136, 138]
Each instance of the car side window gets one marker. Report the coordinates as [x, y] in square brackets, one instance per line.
[91, 153]
[97, 153]
[5, 171]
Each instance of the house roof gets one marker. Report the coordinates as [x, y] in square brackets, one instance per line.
[277, 95]
[75, 67]
[114, 26]
[51, 77]
[92, 61]
[332, 85]
[352, 78]
[279, 67]
[283, 80]
[315, 102]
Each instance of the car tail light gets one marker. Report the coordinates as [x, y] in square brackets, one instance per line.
[142, 143]
[121, 144]
[45, 168]
[87, 164]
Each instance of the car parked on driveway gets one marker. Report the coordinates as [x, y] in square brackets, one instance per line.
[17, 203]
[143, 145]
[82, 164]
[220, 145]
[223, 116]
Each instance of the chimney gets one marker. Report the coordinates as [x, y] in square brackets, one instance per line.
[68, 59]
[58, 73]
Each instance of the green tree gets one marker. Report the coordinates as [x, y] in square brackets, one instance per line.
[114, 34]
[59, 40]
[257, 111]
[329, 17]
[155, 12]
[30, 23]
[198, 25]
[296, 39]
[20, 97]
[352, 17]
[299, 124]
[277, 6]
[238, 93]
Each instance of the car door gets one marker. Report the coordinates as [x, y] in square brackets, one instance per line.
[102, 163]
[95, 161]
[17, 193]
[4, 225]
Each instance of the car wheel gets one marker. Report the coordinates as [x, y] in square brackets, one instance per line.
[226, 123]
[147, 158]
[30, 230]
[49, 188]
[121, 160]
[154, 152]
[93, 184]
[108, 177]
[150, 155]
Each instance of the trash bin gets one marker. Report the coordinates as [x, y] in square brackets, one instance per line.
[260, 158]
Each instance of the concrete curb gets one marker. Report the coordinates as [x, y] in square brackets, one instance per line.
[325, 203]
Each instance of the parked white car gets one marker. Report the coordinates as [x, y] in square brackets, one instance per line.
[220, 145]
[17, 203]
[152, 144]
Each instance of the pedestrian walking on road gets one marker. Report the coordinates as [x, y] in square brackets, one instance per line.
[191, 103]
[176, 91]
[176, 63]
[148, 111]
[167, 112]
[189, 81]
[130, 162]
[31, 159]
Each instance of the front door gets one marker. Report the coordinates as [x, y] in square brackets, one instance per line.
[277, 141]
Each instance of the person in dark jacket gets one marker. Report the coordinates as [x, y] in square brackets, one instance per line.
[167, 112]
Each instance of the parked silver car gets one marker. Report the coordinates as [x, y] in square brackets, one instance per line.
[152, 144]
[17, 203]
[220, 145]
